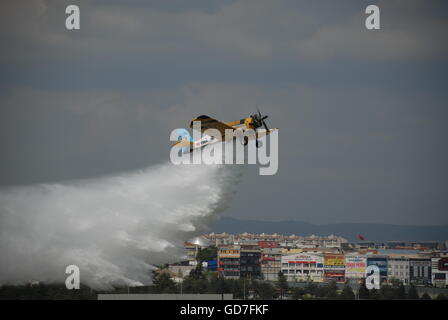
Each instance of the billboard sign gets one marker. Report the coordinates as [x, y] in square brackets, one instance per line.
[381, 263]
[302, 259]
[355, 266]
[334, 261]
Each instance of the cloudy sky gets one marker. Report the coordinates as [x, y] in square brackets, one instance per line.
[362, 113]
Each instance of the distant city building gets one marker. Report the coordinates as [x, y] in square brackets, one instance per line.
[271, 261]
[334, 267]
[419, 245]
[268, 244]
[439, 274]
[420, 271]
[303, 267]
[290, 241]
[250, 261]
[314, 258]
[229, 261]
[180, 271]
[398, 269]
[191, 249]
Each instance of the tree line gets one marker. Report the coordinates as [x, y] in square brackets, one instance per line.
[209, 282]
[202, 282]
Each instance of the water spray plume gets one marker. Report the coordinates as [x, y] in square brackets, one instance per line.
[114, 228]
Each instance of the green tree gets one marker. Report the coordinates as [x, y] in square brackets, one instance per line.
[45, 291]
[363, 292]
[197, 273]
[214, 283]
[222, 285]
[412, 293]
[164, 284]
[297, 293]
[262, 290]
[425, 296]
[441, 296]
[400, 292]
[282, 284]
[395, 282]
[347, 293]
[313, 289]
[395, 291]
[237, 287]
[192, 285]
[374, 294]
[206, 254]
[321, 291]
[387, 292]
[331, 290]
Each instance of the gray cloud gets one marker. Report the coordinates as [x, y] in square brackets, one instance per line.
[246, 29]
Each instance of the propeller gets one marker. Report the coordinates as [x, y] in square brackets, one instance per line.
[258, 120]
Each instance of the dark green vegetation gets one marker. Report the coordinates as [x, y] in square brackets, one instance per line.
[45, 292]
[208, 282]
[206, 254]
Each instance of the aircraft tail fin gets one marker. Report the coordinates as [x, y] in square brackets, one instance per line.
[184, 140]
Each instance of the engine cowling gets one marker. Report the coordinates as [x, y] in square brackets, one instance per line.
[248, 122]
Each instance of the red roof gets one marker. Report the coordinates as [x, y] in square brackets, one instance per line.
[268, 259]
[268, 244]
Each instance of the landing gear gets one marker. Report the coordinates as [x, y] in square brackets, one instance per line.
[245, 141]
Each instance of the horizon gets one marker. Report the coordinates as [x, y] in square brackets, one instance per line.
[376, 223]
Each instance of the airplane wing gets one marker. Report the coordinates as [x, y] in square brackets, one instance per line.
[183, 143]
[210, 123]
[263, 132]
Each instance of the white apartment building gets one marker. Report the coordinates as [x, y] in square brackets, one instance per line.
[398, 269]
[271, 261]
[439, 275]
[303, 267]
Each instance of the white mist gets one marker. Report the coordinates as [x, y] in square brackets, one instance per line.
[114, 228]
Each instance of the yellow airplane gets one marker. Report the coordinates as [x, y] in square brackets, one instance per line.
[253, 122]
